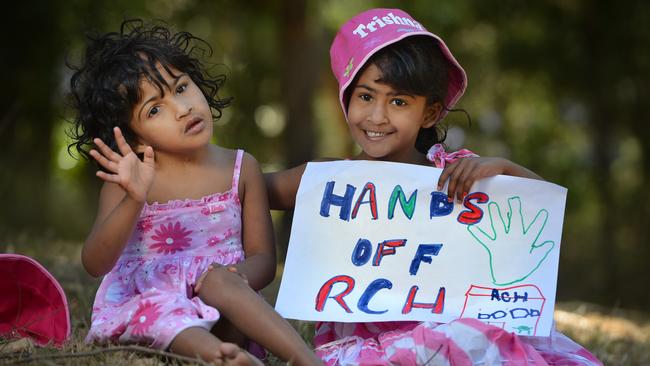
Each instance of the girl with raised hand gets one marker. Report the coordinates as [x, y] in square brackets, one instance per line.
[173, 205]
[396, 83]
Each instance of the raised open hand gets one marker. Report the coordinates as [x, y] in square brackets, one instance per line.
[510, 240]
[133, 175]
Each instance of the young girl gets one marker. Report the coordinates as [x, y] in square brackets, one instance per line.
[184, 205]
[396, 82]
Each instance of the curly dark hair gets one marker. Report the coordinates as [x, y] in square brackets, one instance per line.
[105, 88]
[415, 65]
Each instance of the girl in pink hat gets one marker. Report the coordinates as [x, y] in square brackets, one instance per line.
[396, 82]
[173, 205]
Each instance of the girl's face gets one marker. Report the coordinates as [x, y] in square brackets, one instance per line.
[385, 122]
[178, 121]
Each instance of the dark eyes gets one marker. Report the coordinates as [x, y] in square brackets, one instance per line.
[153, 111]
[181, 88]
[398, 102]
[365, 97]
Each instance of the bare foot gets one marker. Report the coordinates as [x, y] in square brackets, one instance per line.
[233, 355]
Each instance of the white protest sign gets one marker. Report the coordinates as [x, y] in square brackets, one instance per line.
[375, 241]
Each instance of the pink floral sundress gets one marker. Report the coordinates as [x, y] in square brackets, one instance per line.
[148, 297]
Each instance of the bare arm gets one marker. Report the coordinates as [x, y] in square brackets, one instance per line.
[257, 233]
[122, 197]
[517, 170]
[116, 219]
[282, 187]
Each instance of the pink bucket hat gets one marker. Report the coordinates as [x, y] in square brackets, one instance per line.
[33, 303]
[368, 32]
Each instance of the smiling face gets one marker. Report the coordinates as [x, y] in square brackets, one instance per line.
[385, 122]
[173, 119]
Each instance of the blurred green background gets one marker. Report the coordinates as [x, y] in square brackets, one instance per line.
[561, 87]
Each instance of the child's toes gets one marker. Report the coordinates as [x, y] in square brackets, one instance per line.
[229, 350]
[235, 356]
[244, 358]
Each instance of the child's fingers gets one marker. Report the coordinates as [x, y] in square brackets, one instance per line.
[111, 178]
[199, 282]
[467, 186]
[234, 270]
[106, 151]
[214, 266]
[148, 155]
[109, 165]
[465, 183]
[453, 179]
[446, 172]
[124, 148]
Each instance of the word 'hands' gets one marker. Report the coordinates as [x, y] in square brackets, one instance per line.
[465, 171]
[212, 267]
[513, 240]
[133, 175]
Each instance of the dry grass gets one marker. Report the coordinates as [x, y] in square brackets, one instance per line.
[617, 337]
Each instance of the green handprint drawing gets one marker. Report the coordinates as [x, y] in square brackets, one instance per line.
[513, 240]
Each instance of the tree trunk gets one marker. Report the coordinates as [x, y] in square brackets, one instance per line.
[300, 74]
[32, 56]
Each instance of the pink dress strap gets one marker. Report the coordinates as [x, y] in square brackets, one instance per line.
[439, 157]
[237, 170]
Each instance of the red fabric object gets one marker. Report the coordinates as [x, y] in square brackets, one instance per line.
[32, 303]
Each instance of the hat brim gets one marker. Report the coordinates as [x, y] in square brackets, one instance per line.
[33, 303]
